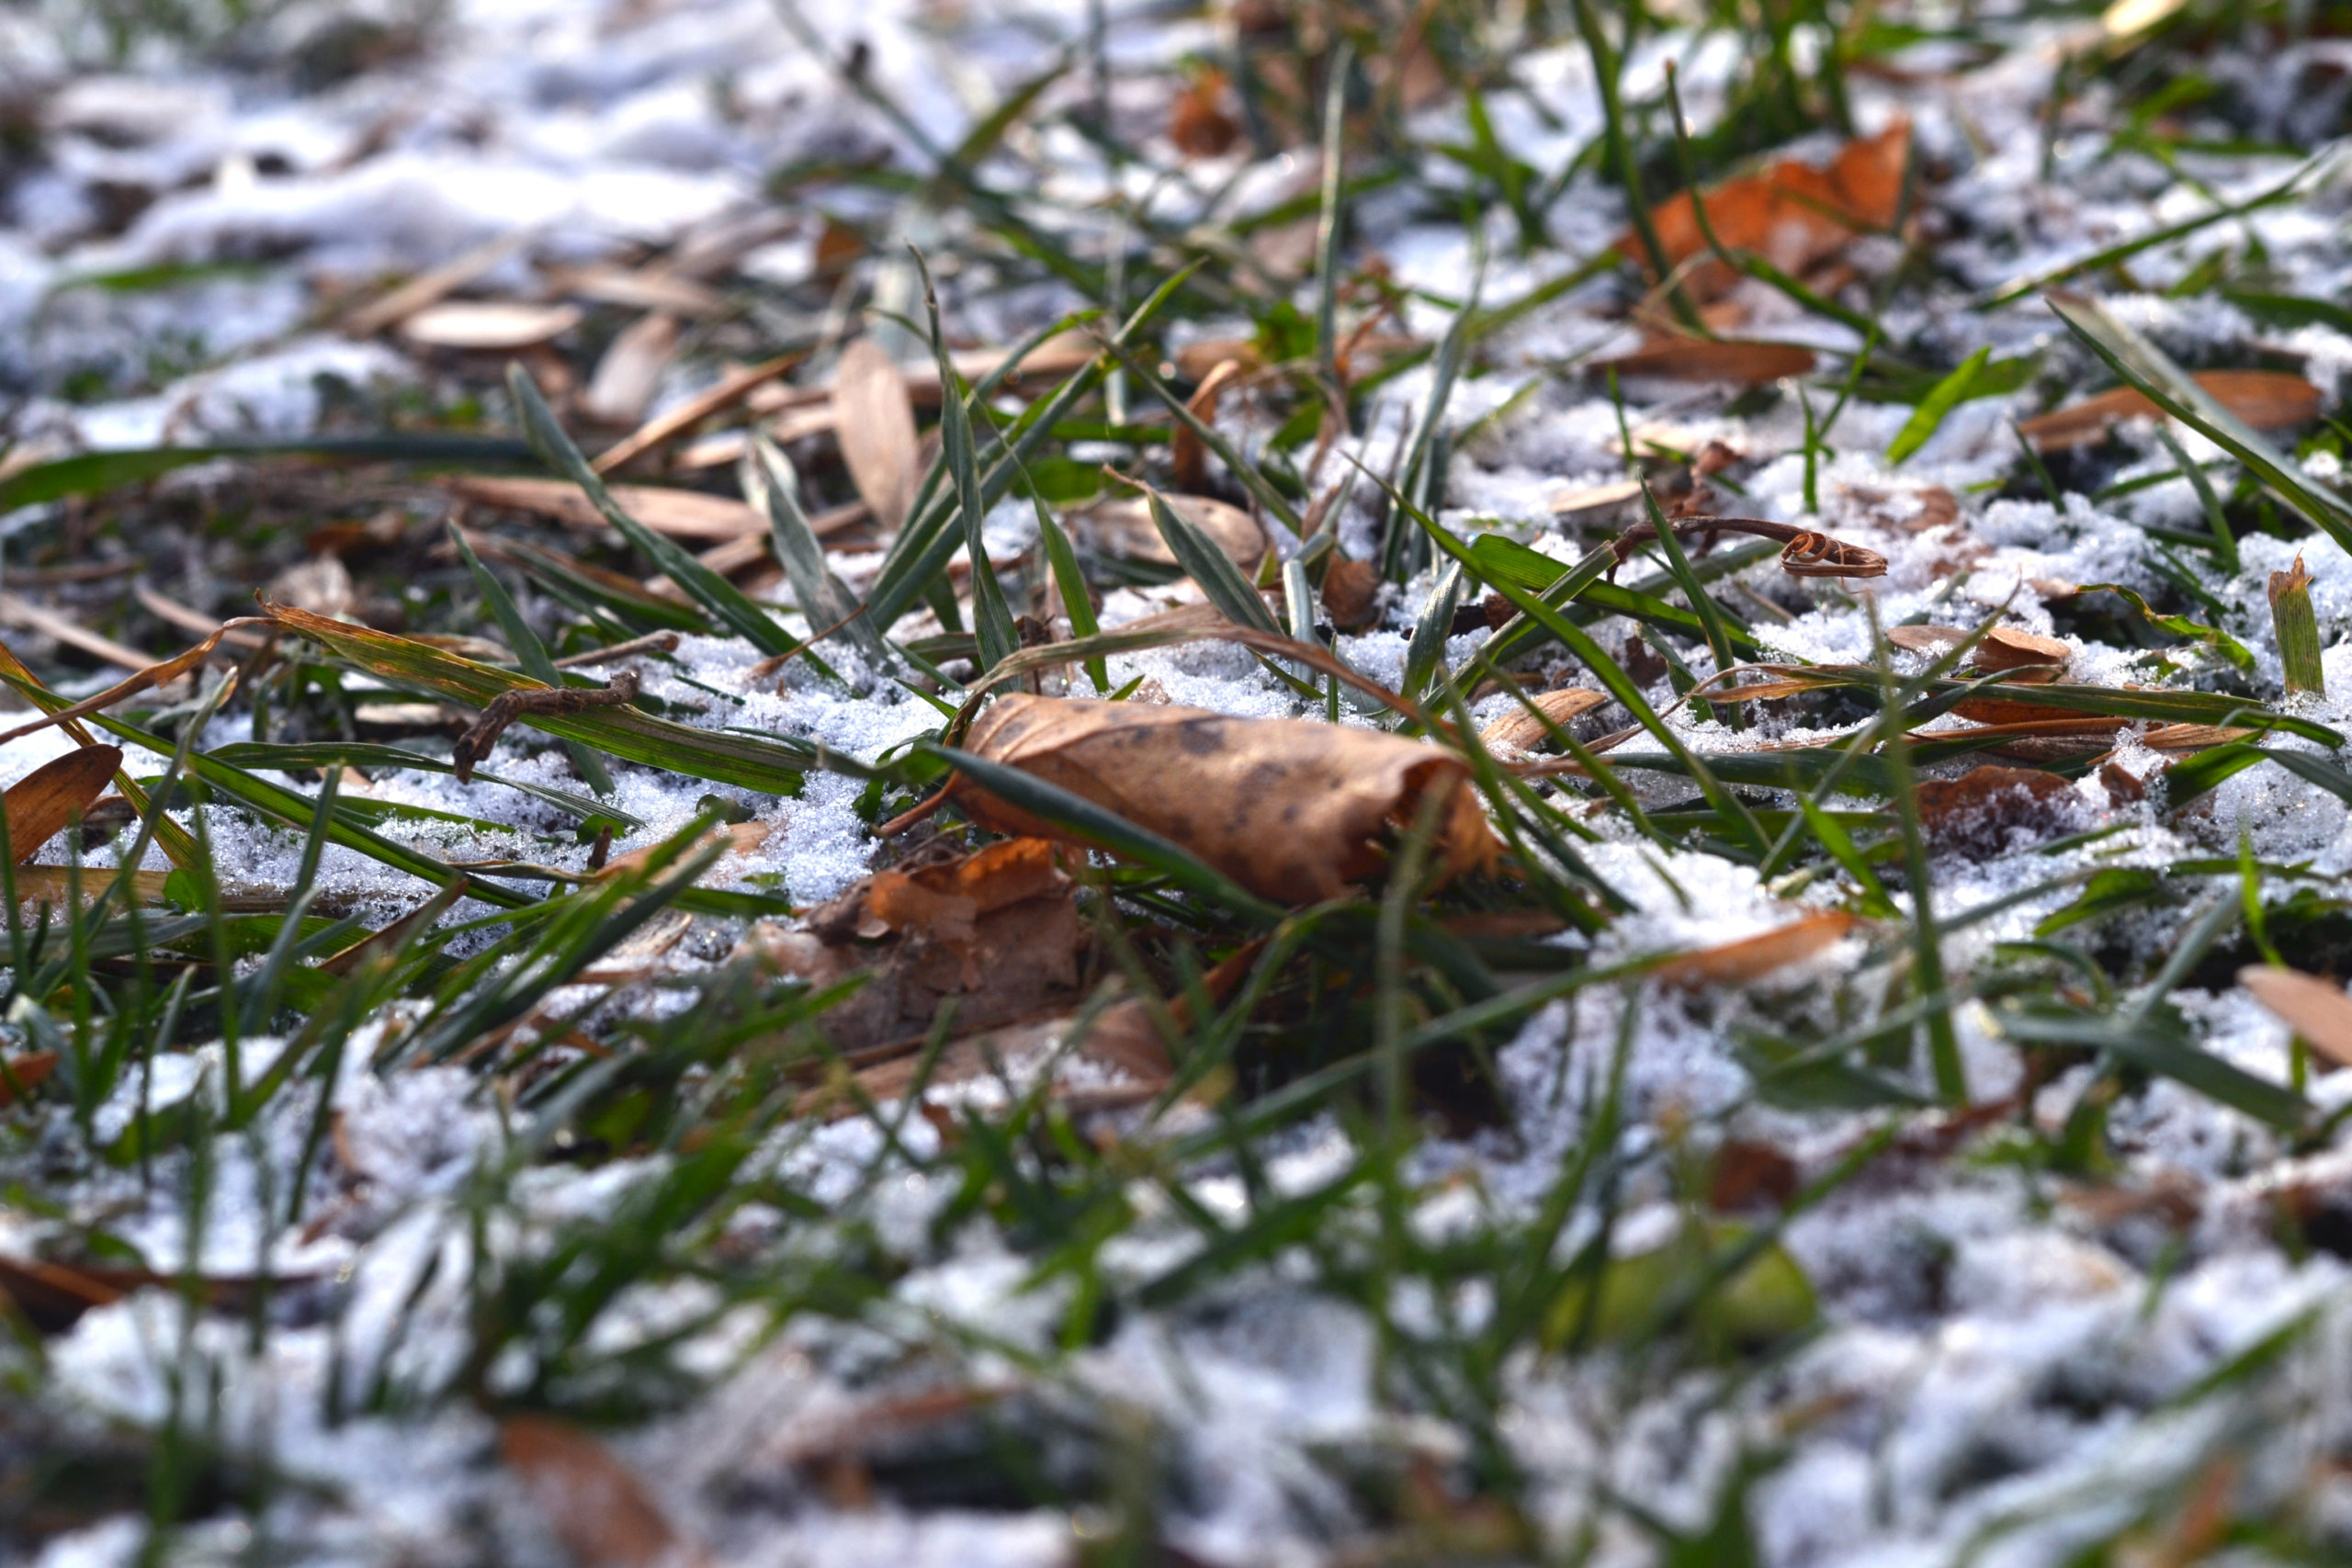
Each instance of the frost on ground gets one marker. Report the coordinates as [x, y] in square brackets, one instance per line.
[1659, 1202]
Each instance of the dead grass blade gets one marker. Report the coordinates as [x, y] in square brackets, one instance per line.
[158, 674]
[674, 514]
[731, 389]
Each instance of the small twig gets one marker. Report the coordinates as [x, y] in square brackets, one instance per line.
[655, 642]
[508, 706]
[1806, 553]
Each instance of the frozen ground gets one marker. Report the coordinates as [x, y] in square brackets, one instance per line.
[2095, 1310]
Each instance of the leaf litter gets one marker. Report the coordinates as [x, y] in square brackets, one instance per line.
[1620, 854]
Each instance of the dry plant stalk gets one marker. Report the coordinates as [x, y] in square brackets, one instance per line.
[508, 706]
[1292, 810]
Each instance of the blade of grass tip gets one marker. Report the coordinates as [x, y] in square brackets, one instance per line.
[992, 619]
[2040, 471]
[2153, 374]
[770, 484]
[1703, 604]
[1327, 237]
[530, 653]
[2225, 544]
[722, 600]
[1737, 818]
[1943, 1040]
[1201, 561]
[1943, 397]
[1417, 475]
[1425, 651]
[1069, 583]
[1299, 603]
[1092, 824]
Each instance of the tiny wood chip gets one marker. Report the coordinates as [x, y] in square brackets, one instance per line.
[1291, 809]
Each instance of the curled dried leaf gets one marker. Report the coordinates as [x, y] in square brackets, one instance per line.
[2266, 399]
[1523, 731]
[1751, 958]
[1292, 810]
[2316, 1009]
[45, 802]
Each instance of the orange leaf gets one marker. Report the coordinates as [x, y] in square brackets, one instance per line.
[595, 1504]
[1790, 213]
[1746, 362]
[2316, 1009]
[1751, 958]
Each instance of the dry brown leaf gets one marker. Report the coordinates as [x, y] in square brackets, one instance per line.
[1978, 810]
[630, 371]
[679, 514]
[1523, 731]
[997, 931]
[45, 802]
[1351, 593]
[1197, 120]
[1751, 958]
[1122, 527]
[873, 420]
[1197, 358]
[2266, 399]
[1591, 505]
[24, 1074]
[2316, 1009]
[1790, 213]
[595, 1504]
[430, 288]
[1713, 359]
[1187, 457]
[2005, 647]
[489, 325]
[1288, 808]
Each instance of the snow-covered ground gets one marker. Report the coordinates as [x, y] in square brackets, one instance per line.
[2013, 1361]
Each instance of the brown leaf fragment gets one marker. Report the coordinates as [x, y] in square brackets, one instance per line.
[2005, 647]
[591, 1502]
[2316, 1009]
[1981, 810]
[1751, 958]
[1197, 122]
[45, 802]
[1187, 457]
[1289, 809]
[1750, 1177]
[1718, 359]
[51, 1296]
[1520, 730]
[1352, 593]
[2266, 399]
[22, 1075]
[1197, 358]
[873, 420]
[1124, 527]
